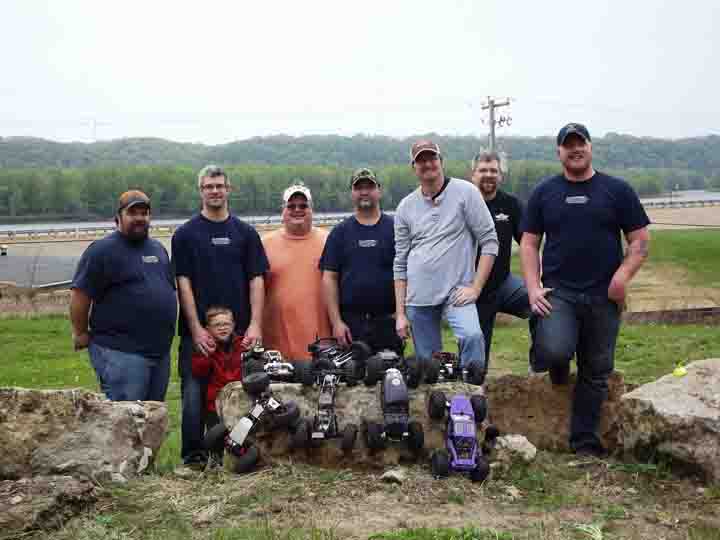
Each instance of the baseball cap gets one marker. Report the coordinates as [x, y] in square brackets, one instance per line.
[296, 189]
[570, 129]
[132, 198]
[363, 174]
[423, 146]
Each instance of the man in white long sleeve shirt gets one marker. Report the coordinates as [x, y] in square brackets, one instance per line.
[438, 228]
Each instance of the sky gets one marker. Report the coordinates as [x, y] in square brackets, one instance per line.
[217, 71]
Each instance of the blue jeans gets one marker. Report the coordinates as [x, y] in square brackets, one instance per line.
[193, 394]
[130, 377]
[463, 320]
[510, 297]
[585, 326]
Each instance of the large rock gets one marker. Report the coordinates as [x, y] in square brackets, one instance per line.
[78, 433]
[42, 502]
[353, 405]
[534, 407]
[677, 416]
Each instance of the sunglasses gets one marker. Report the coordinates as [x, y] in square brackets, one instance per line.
[298, 206]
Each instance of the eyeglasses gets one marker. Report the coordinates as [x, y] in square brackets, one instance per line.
[213, 187]
[298, 206]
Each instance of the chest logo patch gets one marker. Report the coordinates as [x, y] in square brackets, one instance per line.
[367, 243]
[502, 217]
[578, 199]
[220, 241]
[150, 259]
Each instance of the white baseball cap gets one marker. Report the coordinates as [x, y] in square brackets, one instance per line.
[297, 189]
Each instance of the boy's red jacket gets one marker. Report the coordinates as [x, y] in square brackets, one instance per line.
[221, 367]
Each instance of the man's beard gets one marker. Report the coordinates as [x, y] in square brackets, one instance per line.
[137, 234]
[366, 204]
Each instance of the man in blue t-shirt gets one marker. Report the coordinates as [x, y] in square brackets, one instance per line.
[357, 265]
[219, 260]
[576, 307]
[123, 306]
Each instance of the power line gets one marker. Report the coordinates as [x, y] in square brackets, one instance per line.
[491, 105]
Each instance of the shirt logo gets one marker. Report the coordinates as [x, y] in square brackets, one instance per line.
[579, 199]
[367, 243]
[501, 217]
[220, 241]
[150, 259]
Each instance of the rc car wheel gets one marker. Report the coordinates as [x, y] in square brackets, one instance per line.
[432, 371]
[348, 438]
[285, 416]
[440, 463]
[414, 372]
[246, 461]
[304, 373]
[301, 436]
[360, 351]
[437, 403]
[479, 405]
[491, 433]
[351, 378]
[256, 383]
[481, 471]
[215, 438]
[253, 366]
[375, 440]
[374, 370]
[416, 437]
[476, 374]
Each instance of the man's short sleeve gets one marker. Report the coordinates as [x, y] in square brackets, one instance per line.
[331, 258]
[257, 261]
[89, 274]
[632, 213]
[181, 256]
[533, 219]
[519, 211]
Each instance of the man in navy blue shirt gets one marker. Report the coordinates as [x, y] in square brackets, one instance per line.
[576, 305]
[127, 280]
[219, 261]
[503, 292]
[357, 265]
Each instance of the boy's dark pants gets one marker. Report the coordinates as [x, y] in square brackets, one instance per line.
[587, 326]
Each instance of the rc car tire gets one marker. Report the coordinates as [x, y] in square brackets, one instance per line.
[286, 417]
[416, 436]
[476, 374]
[437, 403]
[479, 405]
[374, 370]
[301, 436]
[215, 438]
[481, 471]
[256, 383]
[348, 438]
[304, 373]
[253, 366]
[247, 461]
[440, 463]
[432, 371]
[414, 371]
[374, 436]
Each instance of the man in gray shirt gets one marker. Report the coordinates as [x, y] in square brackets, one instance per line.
[438, 229]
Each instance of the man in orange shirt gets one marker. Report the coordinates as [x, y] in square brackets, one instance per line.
[295, 312]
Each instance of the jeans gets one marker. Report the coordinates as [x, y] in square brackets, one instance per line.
[463, 320]
[585, 326]
[128, 376]
[510, 297]
[377, 331]
[193, 394]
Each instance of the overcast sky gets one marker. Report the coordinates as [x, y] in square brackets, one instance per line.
[217, 71]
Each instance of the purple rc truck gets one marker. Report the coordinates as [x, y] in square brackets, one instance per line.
[462, 453]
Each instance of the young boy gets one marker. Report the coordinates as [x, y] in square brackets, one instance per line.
[221, 366]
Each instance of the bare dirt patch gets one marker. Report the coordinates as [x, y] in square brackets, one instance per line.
[665, 286]
[701, 216]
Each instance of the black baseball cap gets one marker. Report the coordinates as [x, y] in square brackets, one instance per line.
[132, 198]
[363, 174]
[571, 128]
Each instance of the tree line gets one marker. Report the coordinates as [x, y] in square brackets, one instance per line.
[91, 192]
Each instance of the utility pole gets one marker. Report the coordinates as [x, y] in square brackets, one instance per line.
[491, 105]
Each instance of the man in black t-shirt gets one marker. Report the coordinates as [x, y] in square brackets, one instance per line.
[503, 292]
[219, 261]
[123, 306]
[357, 265]
[576, 307]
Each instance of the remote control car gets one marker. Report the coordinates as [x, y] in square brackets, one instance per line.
[259, 359]
[324, 424]
[266, 412]
[396, 426]
[328, 356]
[448, 366]
[414, 370]
[462, 453]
